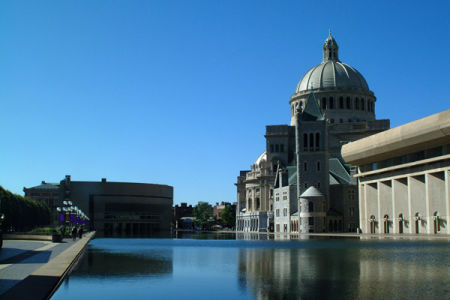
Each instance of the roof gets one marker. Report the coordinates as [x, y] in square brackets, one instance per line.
[312, 111]
[415, 136]
[311, 192]
[331, 73]
[338, 172]
[262, 157]
[292, 175]
[46, 186]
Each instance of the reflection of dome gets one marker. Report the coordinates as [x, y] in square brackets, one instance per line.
[331, 73]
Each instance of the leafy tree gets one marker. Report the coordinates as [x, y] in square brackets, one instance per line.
[202, 213]
[22, 214]
[228, 216]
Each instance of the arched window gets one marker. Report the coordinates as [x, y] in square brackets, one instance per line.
[258, 203]
[372, 224]
[324, 103]
[317, 141]
[362, 104]
[311, 141]
[310, 206]
[305, 142]
[369, 108]
[341, 102]
[331, 103]
[349, 105]
[386, 224]
[437, 226]
[356, 103]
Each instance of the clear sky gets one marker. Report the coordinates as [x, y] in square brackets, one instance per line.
[179, 92]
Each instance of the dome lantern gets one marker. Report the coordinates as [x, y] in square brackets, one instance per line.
[330, 49]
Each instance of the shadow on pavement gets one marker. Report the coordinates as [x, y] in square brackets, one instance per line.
[32, 287]
[17, 259]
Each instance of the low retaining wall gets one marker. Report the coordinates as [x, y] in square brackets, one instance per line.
[43, 282]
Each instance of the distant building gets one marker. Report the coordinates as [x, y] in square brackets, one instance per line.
[48, 193]
[182, 216]
[218, 208]
[404, 177]
[116, 207]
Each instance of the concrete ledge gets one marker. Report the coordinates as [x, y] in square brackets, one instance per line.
[42, 283]
[35, 237]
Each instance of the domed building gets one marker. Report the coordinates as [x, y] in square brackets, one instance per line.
[331, 106]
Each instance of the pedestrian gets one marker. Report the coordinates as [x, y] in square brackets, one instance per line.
[74, 233]
[63, 231]
[80, 232]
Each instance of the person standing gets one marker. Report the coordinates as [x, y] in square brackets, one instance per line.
[80, 232]
[74, 233]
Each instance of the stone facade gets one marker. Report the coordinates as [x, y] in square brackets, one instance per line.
[341, 110]
[404, 177]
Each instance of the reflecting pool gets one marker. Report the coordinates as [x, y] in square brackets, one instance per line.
[228, 267]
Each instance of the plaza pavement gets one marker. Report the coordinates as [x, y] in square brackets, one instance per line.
[34, 269]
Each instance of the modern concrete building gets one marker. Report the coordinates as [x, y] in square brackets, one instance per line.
[118, 207]
[404, 177]
[332, 105]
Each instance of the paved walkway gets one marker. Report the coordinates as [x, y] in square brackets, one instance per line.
[22, 260]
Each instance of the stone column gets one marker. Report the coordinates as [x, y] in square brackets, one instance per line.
[410, 217]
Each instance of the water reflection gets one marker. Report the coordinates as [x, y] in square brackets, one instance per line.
[101, 263]
[226, 267]
[345, 270]
[297, 273]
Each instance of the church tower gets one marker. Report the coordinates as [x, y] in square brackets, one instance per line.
[312, 166]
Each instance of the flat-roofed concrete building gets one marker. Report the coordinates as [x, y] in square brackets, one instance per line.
[115, 207]
[404, 177]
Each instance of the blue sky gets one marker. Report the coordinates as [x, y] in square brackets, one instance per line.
[179, 92]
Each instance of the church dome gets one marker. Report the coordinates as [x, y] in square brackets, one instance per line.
[331, 73]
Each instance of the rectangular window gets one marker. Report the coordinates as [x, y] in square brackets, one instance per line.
[305, 166]
[271, 148]
[278, 227]
[348, 103]
[311, 220]
[285, 227]
[281, 148]
[277, 212]
[324, 103]
[277, 148]
[341, 102]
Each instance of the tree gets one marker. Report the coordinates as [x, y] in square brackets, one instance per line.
[202, 213]
[228, 216]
